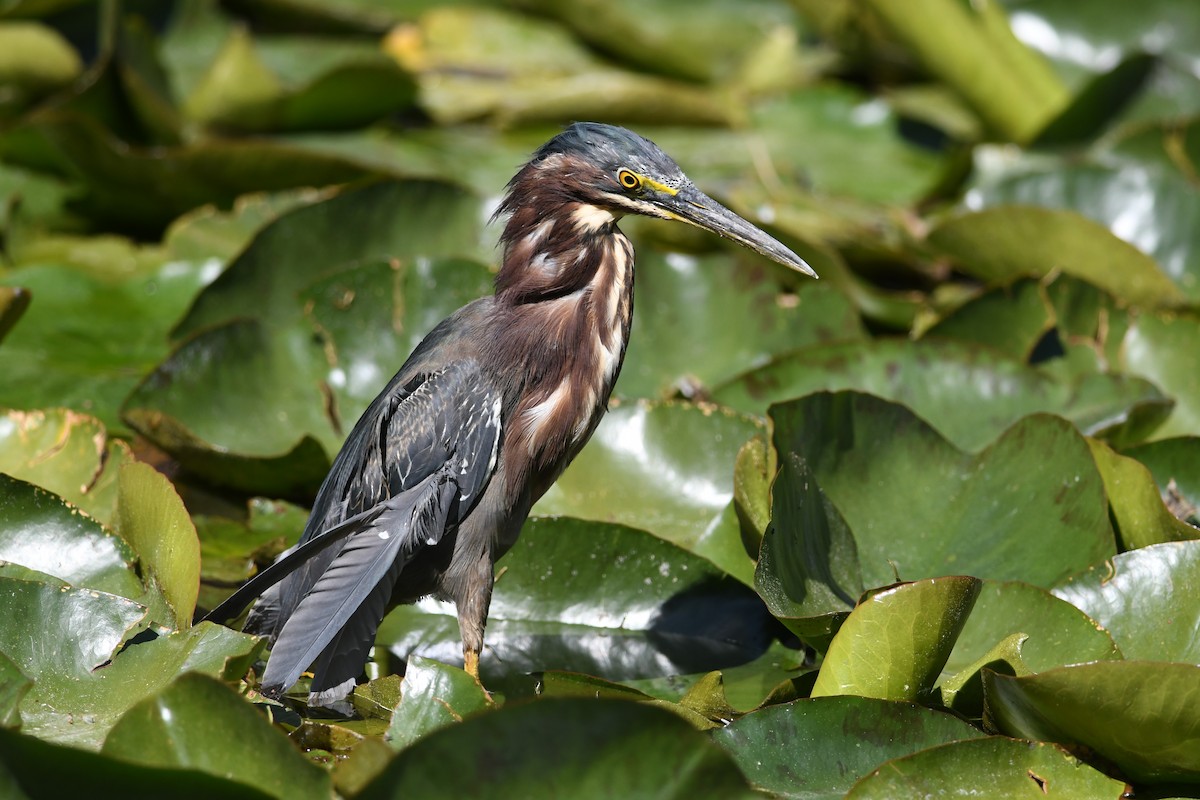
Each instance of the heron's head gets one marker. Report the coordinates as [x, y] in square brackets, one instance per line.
[617, 171]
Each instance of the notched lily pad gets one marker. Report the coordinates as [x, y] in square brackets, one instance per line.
[1135, 714]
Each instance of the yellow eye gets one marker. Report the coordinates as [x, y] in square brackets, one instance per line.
[628, 179]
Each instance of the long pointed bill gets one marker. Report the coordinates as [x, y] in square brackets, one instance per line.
[694, 207]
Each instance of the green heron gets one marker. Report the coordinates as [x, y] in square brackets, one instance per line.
[438, 475]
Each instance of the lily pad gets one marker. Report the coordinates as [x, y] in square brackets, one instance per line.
[198, 723]
[808, 572]
[991, 767]
[79, 707]
[153, 520]
[896, 641]
[1148, 599]
[970, 393]
[1175, 465]
[1158, 348]
[596, 598]
[41, 532]
[1139, 513]
[1135, 714]
[51, 770]
[816, 749]
[739, 312]
[1001, 244]
[1028, 507]
[85, 342]
[67, 453]
[587, 748]
[665, 468]
[432, 697]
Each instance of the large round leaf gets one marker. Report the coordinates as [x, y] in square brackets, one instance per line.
[1155, 210]
[79, 706]
[48, 771]
[1136, 714]
[971, 394]
[699, 321]
[564, 748]
[1029, 507]
[666, 468]
[994, 767]
[1175, 464]
[198, 723]
[1001, 244]
[39, 531]
[68, 453]
[1141, 518]
[85, 341]
[816, 749]
[1148, 599]
[433, 696]
[1161, 349]
[808, 572]
[596, 598]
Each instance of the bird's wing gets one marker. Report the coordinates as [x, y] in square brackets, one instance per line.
[415, 466]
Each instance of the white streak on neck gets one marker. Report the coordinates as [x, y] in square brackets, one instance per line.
[592, 218]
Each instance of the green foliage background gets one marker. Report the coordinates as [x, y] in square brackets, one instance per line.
[925, 526]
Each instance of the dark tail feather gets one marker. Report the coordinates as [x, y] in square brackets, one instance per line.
[339, 599]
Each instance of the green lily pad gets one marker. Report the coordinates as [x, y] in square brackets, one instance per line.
[992, 767]
[477, 62]
[1175, 465]
[209, 233]
[1160, 349]
[231, 549]
[1056, 631]
[1148, 599]
[85, 342]
[816, 749]
[1135, 714]
[586, 748]
[665, 468]
[296, 83]
[595, 598]
[196, 722]
[1139, 513]
[741, 316]
[153, 520]
[970, 393]
[1029, 507]
[701, 47]
[808, 572]
[51, 770]
[79, 707]
[14, 300]
[300, 353]
[1153, 209]
[89, 626]
[1029, 629]
[1011, 319]
[896, 641]
[39, 531]
[433, 696]
[146, 188]
[67, 453]
[1001, 244]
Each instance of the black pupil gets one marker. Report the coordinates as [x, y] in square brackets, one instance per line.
[629, 180]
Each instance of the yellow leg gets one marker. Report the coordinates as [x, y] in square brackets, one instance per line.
[471, 663]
